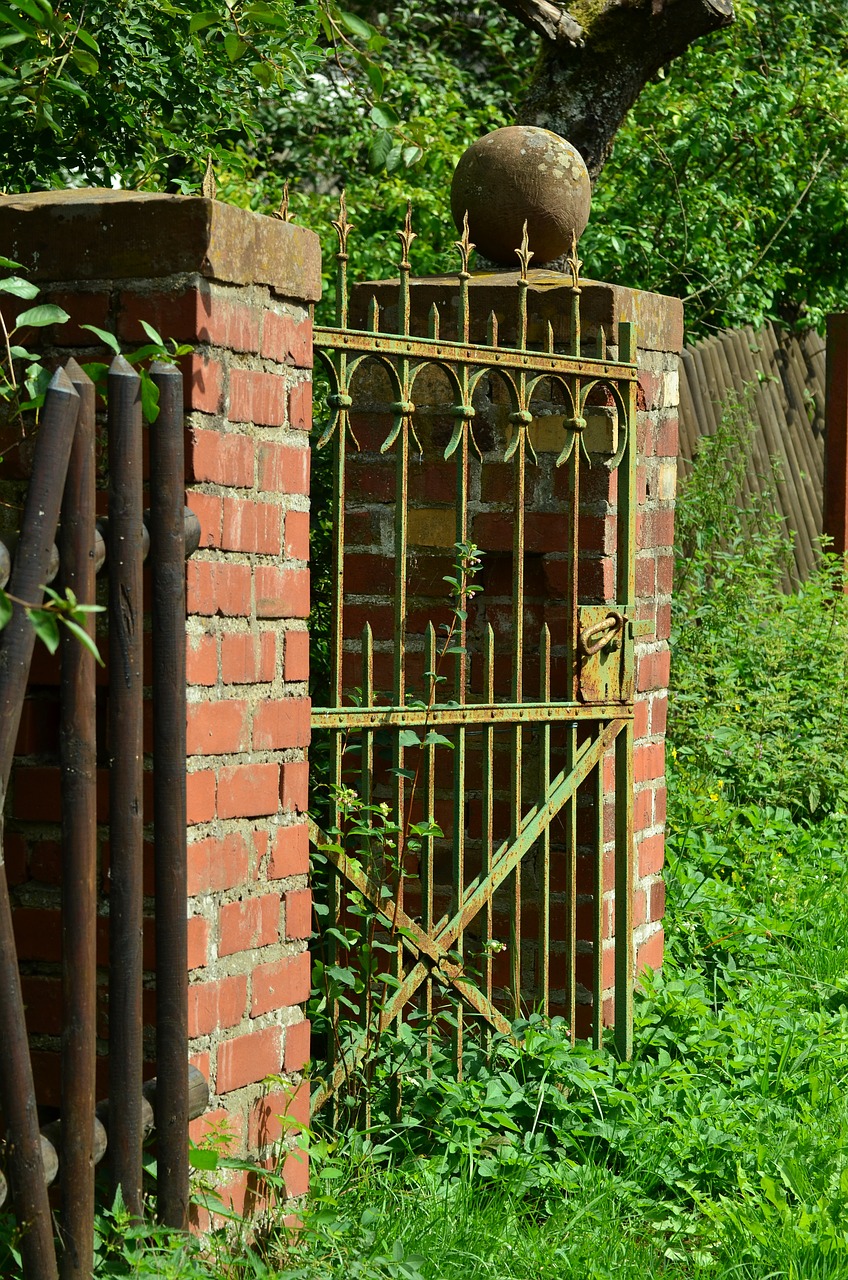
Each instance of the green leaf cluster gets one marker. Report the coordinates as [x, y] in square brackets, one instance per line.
[101, 93]
[727, 185]
[761, 708]
[387, 122]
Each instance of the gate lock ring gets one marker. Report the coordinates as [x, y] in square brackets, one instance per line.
[600, 634]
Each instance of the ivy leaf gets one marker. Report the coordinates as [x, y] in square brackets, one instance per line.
[408, 738]
[203, 1158]
[149, 398]
[200, 21]
[86, 61]
[375, 77]
[384, 116]
[38, 317]
[379, 152]
[84, 639]
[108, 339]
[8, 263]
[36, 382]
[19, 288]
[263, 73]
[87, 39]
[434, 739]
[234, 46]
[46, 627]
[355, 25]
[152, 334]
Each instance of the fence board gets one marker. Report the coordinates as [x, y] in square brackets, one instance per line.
[787, 408]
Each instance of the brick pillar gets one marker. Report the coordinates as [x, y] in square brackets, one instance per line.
[238, 287]
[370, 570]
[659, 333]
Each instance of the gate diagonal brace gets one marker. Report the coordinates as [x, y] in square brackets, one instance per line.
[436, 948]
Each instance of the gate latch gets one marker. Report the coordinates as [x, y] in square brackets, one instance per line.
[605, 654]
[603, 634]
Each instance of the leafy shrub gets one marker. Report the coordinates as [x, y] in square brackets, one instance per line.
[760, 680]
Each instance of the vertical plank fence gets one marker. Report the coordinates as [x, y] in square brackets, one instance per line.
[777, 378]
[63, 476]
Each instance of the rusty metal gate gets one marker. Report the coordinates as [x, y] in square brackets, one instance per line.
[487, 737]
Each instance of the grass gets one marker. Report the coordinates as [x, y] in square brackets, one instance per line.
[719, 1151]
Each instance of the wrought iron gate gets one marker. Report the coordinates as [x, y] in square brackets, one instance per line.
[493, 704]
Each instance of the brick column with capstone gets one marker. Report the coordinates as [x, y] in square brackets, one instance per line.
[239, 288]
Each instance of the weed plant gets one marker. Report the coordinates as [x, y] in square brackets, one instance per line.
[721, 1150]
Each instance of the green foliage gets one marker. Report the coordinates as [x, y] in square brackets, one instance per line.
[727, 182]
[157, 348]
[141, 92]
[726, 185]
[761, 674]
[436, 77]
[23, 379]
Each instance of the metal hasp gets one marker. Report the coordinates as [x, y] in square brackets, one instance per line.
[527, 712]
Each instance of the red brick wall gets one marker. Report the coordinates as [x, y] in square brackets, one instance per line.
[656, 488]
[248, 402]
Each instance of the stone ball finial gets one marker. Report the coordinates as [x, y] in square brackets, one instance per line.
[519, 173]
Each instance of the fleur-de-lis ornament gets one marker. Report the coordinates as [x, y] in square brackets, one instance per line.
[342, 226]
[465, 245]
[525, 253]
[283, 212]
[406, 236]
[574, 263]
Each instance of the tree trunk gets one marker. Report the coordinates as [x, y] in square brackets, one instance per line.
[597, 57]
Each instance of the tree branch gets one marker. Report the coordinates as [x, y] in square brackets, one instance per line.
[583, 92]
[546, 19]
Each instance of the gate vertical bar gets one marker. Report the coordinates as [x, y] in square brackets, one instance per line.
[167, 562]
[427, 844]
[626, 582]
[488, 801]
[78, 750]
[521, 420]
[544, 783]
[404, 409]
[460, 692]
[572, 620]
[17, 1089]
[124, 551]
[461, 411]
[598, 904]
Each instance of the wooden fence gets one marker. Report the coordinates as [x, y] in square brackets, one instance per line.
[780, 378]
